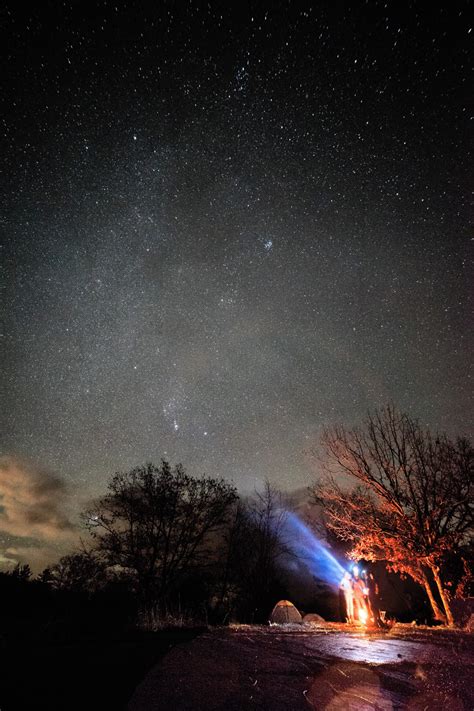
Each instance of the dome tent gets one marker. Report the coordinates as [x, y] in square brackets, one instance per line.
[313, 619]
[285, 613]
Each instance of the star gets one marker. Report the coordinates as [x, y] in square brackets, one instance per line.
[263, 241]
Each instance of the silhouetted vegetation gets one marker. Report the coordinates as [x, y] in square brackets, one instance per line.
[183, 549]
[252, 582]
[155, 528]
[76, 648]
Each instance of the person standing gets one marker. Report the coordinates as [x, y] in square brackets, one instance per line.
[365, 580]
[373, 589]
[359, 592]
[346, 586]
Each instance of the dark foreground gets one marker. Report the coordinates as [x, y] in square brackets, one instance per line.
[87, 672]
[329, 668]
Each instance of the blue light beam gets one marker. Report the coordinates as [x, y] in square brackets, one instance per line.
[304, 545]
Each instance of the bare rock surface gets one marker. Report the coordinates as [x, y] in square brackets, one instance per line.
[273, 668]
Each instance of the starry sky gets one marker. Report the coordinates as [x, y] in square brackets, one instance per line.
[225, 226]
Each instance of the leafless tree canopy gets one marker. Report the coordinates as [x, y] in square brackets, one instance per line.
[156, 522]
[412, 502]
[79, 571]
[255, 546]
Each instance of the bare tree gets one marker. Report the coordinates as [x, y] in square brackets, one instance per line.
[413, 501]
[78, 572]
[156, 522]
[256, 545]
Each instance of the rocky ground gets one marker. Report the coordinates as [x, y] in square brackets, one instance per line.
[329, 667]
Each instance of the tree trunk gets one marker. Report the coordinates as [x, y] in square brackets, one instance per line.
[443, 596]
[438, 615]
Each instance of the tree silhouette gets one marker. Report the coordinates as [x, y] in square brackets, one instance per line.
[256, 545]
[78, 572]
[157, 523]
[21, 572]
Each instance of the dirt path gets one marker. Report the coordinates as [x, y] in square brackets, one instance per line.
[276, 669]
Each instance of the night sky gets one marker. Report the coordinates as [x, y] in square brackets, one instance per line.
[223, 229]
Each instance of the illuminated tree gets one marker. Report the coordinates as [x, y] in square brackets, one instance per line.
[412, 505]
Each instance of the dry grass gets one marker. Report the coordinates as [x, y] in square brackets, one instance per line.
[153, 621]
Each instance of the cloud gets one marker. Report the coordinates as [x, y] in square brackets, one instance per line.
[7, 560]
[33, 503]
[38, 557]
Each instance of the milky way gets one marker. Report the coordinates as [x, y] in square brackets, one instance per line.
[225, 228]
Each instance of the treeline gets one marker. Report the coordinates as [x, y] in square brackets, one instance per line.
[168, 548]
[165, 547]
